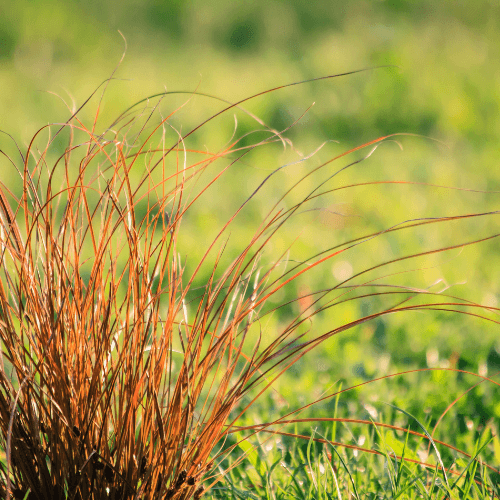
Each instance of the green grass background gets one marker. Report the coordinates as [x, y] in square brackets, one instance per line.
[446, 86]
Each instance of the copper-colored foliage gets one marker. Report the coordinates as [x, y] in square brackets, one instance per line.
[122, 369]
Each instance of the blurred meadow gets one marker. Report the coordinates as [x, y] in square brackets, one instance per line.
[435, 77]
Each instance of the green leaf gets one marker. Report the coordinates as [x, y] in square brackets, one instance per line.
[251, 454]
[496, 449]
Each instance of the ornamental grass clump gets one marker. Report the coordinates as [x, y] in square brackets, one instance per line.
[125, 365]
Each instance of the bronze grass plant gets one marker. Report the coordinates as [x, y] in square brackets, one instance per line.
[121, 377]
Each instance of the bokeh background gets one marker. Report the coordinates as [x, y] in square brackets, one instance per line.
[447, 85]
[443, 83]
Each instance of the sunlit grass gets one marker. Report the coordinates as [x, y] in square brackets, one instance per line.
[141, 357]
